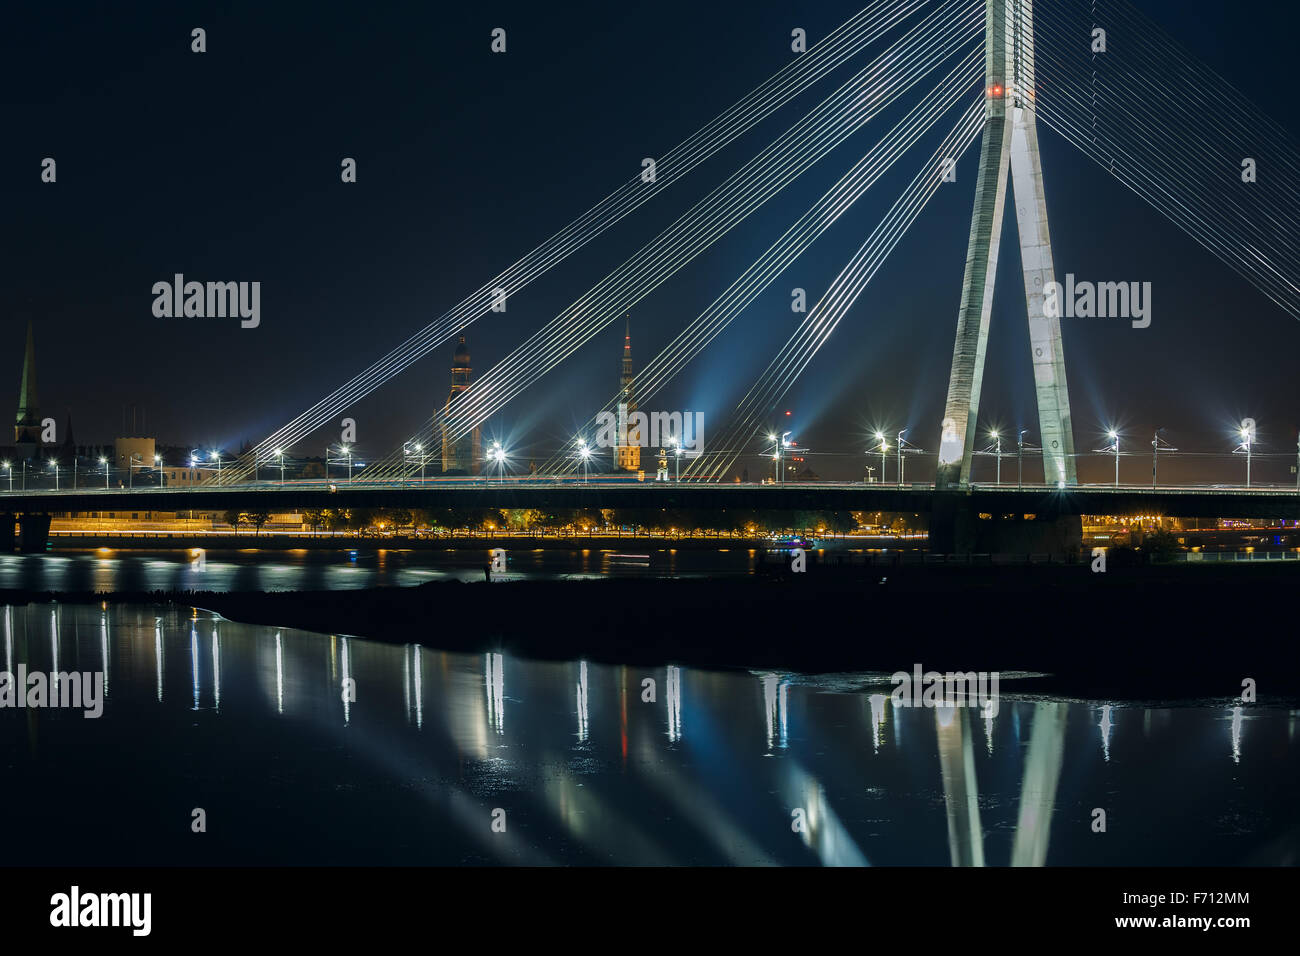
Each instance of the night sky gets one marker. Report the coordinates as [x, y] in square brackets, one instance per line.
[225, 166]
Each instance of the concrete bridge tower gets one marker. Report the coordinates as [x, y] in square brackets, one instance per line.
[1010, 142]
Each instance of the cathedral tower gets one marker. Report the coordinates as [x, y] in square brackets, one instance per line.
[627, 454]
[459, 457]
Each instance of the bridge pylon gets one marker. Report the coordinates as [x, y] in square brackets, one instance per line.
[1009, 145]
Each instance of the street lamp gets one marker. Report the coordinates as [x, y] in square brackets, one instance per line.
[279, 453]
[419, 454]
[157, 463]
[216, 456]
[1115, 437]
[675, 443]
[497, 455]
[996, 437]
[9, 468]
[884, 447]
[785, 443]
[900, 457]
[1020, 459]
[585, 454]
[1158, 445]
[1247, 439]
[102, 461]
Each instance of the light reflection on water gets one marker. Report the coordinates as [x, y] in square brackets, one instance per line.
[594, 763]
[107, 570]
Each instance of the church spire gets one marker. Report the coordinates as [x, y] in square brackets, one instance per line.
[28, 407]
[627, 452]
[27, 424]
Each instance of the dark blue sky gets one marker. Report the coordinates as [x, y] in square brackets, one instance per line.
[226, 166]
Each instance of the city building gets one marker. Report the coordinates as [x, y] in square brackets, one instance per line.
[134, 453]
[627, 451]
[460, 457]
[185, 474]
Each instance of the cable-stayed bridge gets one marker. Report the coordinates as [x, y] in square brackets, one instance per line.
[1096, 73]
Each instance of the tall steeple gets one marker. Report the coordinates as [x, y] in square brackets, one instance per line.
[27, 424]
[460, 457]
[627, 454]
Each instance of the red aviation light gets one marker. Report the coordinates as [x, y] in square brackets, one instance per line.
[996, 90]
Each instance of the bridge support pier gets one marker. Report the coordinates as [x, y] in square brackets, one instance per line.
[34, 533]
[957, 527]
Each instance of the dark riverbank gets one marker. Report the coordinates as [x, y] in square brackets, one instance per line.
[1136, 633]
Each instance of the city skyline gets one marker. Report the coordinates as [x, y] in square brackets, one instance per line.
[209, 382]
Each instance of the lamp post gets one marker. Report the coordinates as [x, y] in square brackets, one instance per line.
[1020, 459]
[585, 454]
[1156, 448]
[216, 456]
[884, 447]
[157, 463]
[419, 455]
[675, 444]
[900, 457]
[1115, 436]
[279, 453]
[102, 461]
[998, 439]
[54, 466]
[1247, 439]
[497, 455]
[9, 468]
[785, 443]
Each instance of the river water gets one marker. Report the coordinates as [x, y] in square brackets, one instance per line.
[106, 570]
[574, 764]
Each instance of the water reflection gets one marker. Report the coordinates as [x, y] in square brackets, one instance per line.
[673, 688]
[582, 702]
[106, 571]
[1105, 726]
[316, 748]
